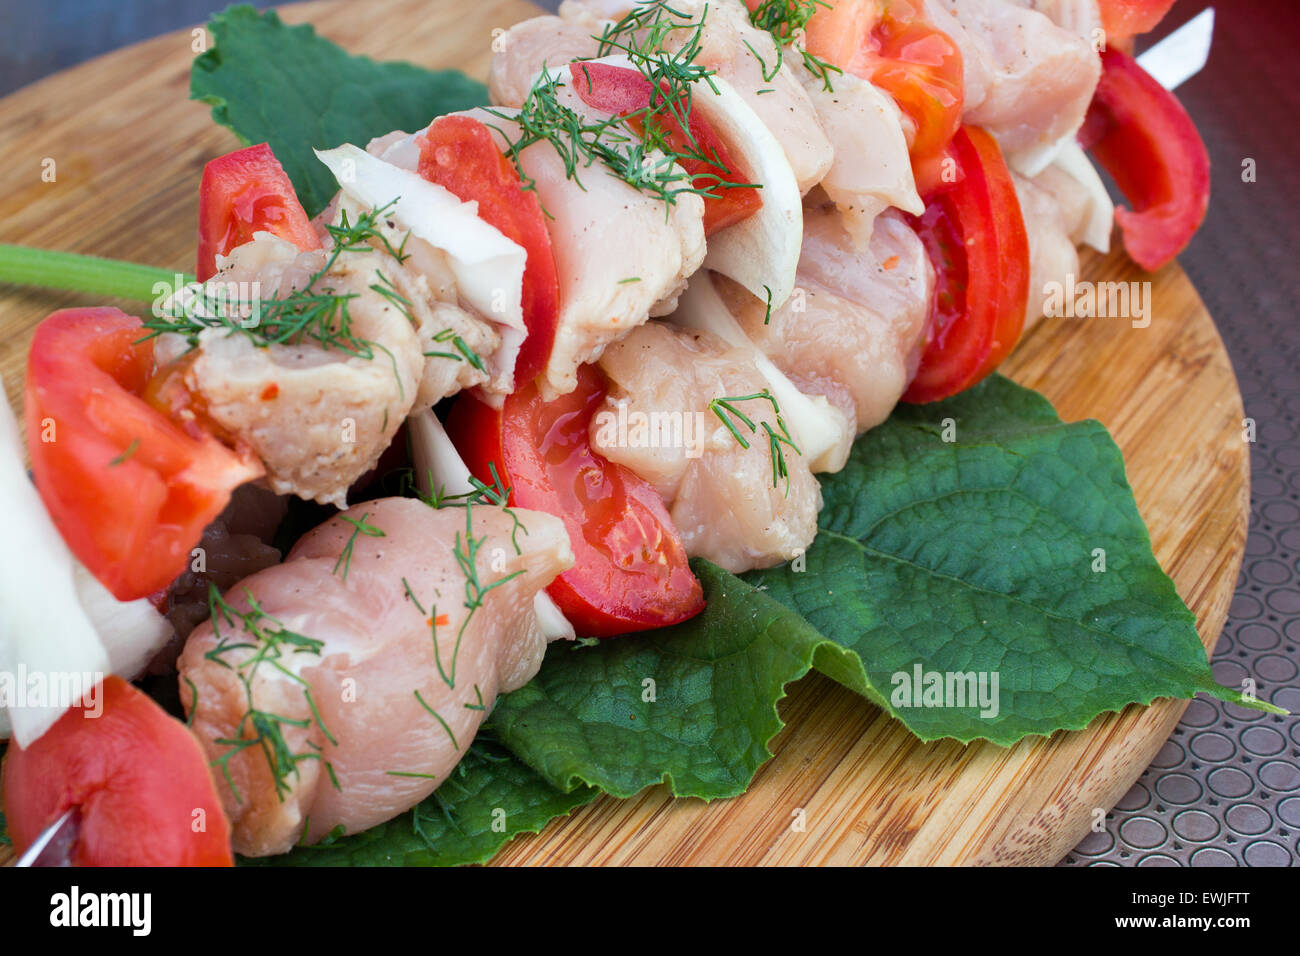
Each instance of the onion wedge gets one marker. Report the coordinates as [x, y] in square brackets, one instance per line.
[489, 268]
[761, 252]
[58, 625]
[1074, 162]
[48, 645]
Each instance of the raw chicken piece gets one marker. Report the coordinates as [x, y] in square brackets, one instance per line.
[529, 46]
[440, 318]
[721, 496]
[621, 254]
[871, 171]
[317, 417]
[1080, 17]
[729, 44]
[371, 602]
[854, 327]
[1028, 81]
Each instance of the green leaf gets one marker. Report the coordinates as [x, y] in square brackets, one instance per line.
[456, 825]
[982, 555]
[297, 91]
[703, 726]
[974, 555]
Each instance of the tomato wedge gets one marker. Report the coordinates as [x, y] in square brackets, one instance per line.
[631, 572]
[1125, 18]
[458, 153]
[895, 47]
[136, 777]
[129, 489]
[627, 92]
[975, 237]
[244, 192]
[1144, 138]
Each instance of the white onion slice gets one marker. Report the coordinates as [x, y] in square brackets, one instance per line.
[1074, 162]
[45, 634]
[489, 268]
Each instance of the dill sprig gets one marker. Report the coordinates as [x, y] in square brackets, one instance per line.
[437, 716]
[465, 551]
[778, 437]
[463, 352]
[359, 527]
[271, 641]
[786, 20]
[496, 494]
[642, 148]
[581, 143]
[314, 313]
[643, 35]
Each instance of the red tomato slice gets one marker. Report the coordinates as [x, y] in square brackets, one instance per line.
[1125, 18]
[457, 153]
[138, 778]
[631, 572]
[976, 240]
[244, 192]
[895, 47]
[1144, 138]
[130, 490]
[626, 92]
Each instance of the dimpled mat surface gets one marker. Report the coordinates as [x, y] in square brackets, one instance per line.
[1225, 788]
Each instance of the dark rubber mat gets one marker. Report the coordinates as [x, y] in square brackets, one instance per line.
[1225, 789]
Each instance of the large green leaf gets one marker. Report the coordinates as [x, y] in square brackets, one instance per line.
[1014, 549]
[490, 798]
[692, 705]
[288, 87]
[982, 554]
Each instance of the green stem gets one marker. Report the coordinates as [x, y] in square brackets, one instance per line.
[20, 265]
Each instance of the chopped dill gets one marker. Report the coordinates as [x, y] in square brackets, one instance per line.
[463, 351]
[438, 717]
[130, 450]
[786, 20]
[465, 551]
[778, 438]
[257, 728]
[309, 314]
[645, 147]
[359, 527]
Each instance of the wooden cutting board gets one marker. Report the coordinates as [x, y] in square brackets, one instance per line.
[129, 147]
